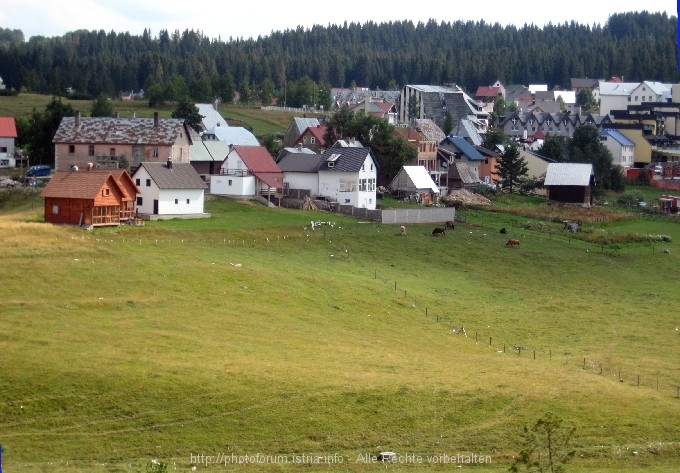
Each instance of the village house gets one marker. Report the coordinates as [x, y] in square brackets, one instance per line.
[621, 148]
[458, 164]
[427, 149]
[120, 142]
[296, 127]
[313, 138]
[301, 173]
[8, 134]
[435, 102]
[347, 175]
[169, 189]
[90, 197]
[525, 125]
[248, 171]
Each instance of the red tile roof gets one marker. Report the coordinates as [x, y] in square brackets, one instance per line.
[257, 158]
[261, 164]
[317, 132]
[486, 91]
[8, 128]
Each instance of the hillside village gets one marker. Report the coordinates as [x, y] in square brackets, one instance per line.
[172, 166]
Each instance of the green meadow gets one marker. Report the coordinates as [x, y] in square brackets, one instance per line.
[250, 333]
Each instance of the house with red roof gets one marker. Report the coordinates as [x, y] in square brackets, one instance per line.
[8, 133]
[248, 171]
[313, 138]
[90, 197]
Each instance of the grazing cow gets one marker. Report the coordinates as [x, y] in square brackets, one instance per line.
[403, 230]
[450, 225]
[438, 231]
[512, 243]
[504, 231]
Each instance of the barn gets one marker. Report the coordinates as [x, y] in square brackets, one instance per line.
[570, 183]
[414, 181]
[88, 198]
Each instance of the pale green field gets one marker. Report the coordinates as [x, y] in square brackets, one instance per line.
[247, 333]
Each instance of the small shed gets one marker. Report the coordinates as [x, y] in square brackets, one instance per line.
[570, 183]
[414, 180]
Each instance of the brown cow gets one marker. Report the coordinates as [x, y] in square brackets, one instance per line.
[512, 243]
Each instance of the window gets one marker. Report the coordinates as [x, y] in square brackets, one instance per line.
[139, 201]
[155, 151]
[148, 183]
[138, 182]
[176, 201]
[188, 202]
[636, 98]
[112, 151]
[55, 210]
[181, 152]
[362, 185]
[90, 150]
[229, 182]
[348, 185]
[312, 140]
[71, 149]
[3, 149]
[105, 192]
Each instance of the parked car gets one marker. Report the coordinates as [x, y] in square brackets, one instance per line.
[658, 170]
[41, 170]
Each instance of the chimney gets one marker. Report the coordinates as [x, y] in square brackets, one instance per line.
[77, 119]
[155, 119]
[169, 163]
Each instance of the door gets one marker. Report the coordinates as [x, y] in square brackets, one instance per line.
[155, 207]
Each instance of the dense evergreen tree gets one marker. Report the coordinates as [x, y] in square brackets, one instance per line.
[189, 112]
[512, 168]
[101, 107]
[553, 148]
[638, 46]
[585, 147]
[41, 129]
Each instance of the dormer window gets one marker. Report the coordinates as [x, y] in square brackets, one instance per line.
[332, 160]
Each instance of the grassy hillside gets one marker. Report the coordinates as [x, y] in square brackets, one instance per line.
[258, 121]
[252, 333]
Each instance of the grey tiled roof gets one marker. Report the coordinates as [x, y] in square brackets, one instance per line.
[181, 176]
[301, 162]
[349, 159]
[93, 130]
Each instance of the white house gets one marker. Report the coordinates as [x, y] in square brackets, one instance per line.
[620, 146]
[301, 171]
[247, 171]
[348, 176]
[8, 133]
[620, 95]
[169, 189]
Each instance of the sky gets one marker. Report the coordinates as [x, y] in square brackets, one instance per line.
[252, 18]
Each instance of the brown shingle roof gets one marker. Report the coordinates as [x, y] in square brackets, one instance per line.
[78, 184]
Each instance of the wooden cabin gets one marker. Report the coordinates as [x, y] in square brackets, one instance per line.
[93, 197]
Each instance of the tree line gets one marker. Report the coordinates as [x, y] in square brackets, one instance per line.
[298, 66]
